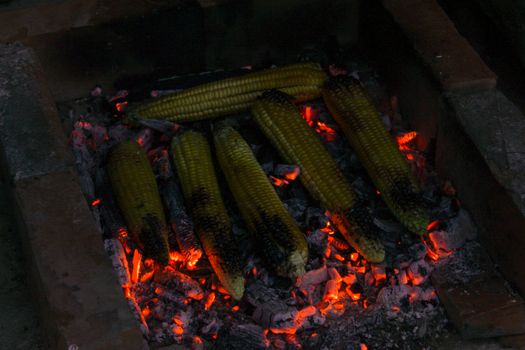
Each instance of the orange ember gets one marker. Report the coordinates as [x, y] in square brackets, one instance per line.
[433, 225]
[178, 330]
[146, 312]
[405, 139]
[194, 258]
[137, 257]
[352, 295]
[235, 308]
[96, 202]
[121, 106]
[197, 340]
[363, 346]
[292, 174]
[396, 308]
[278, 182]
[209, 301]
[328, 228]
[354, 256]
[147, 276]
[176, 256]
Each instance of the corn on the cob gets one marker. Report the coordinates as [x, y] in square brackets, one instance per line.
[194, 166]
[234, 95]
[298, 144]
[137, 195]
[354, 112]
[281, 243]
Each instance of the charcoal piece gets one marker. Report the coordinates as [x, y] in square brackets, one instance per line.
[275, 314]
[417, 251]
[180, 282]
[296, 208]
[402, 261]
[462, 226]
[315, 218]
[267, 167]
[313, 277]
[118, 258]
[287, 171]
[145, 138]
[257, 293]
[419, 272]
[392, 296]
[163, 126]
[247, 336]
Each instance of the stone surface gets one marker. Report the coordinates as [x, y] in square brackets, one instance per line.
[19, 326]
[84, 304]
[453, 62]
[497, 128]
[480, 305]
[31, 137]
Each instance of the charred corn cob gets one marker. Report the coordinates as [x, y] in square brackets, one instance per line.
[234, 95]
[354, 112]
[137, 195]
[298, 144]
[281, 243]
[192, 157]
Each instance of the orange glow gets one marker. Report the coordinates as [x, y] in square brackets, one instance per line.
[352, 295]
[403, 279]
[360, 269]
[289, 330]
[339, 306]
[293, 174]
[176, 256]
[354, 256]
[121, 105]
[405, 139]
[331, 292]
[221, 290]
[278, 182]
[366, 303]
[395, 308]
[197, 340]
[254, 271]
[327, 252]
[195, 256]
[146, 312]
[235, 308]
[363, 347]
[433, 225]
[339, 257]
[96, 202]
[137, 257]
[122, 233]
[378, 193]
[215, 336]
[178, 330]
[328, 228]
[127, 292]
[308, 115]
[209, 301]
[323, 127]
[147, 276]
[350, 279]
[410, 156]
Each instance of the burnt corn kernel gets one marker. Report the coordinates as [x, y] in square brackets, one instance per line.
[297, 143]
[233, 95]
[194, 166]
[138, 198]
[281, 243]
[354, 111]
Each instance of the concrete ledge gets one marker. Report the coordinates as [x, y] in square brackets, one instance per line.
[454, 63]
[80, 299]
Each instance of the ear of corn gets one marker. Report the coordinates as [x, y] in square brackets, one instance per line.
[298, 144]
[234, 95]
[192, 157]
[137, 195]
[354, 112]
[278, 237]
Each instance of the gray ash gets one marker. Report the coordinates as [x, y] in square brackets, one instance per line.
[342, 302]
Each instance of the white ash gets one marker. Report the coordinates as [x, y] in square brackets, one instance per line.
[395, 302]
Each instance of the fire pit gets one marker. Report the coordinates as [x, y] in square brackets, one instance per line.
[342, 300]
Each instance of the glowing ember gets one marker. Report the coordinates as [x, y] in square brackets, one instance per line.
[121, 106]
[209, 301]
[235, 308]
[433, 225]
[363, 346]
[137, 257]
[395, 308]
[328, 133]
[176, 256]
[96, 202]
[404, 140]
[278, 182]
[354, 256]
[354, 296]
[328, 228]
